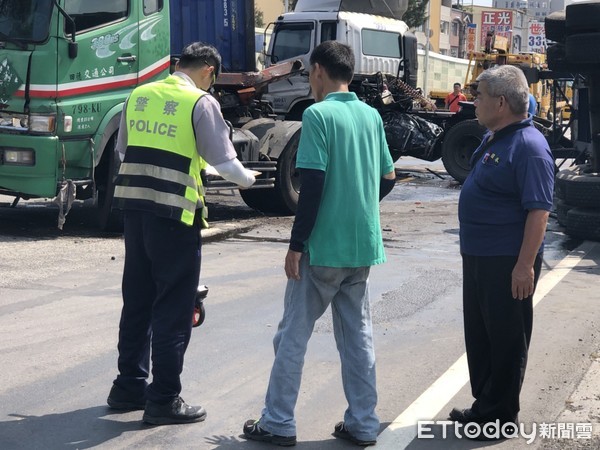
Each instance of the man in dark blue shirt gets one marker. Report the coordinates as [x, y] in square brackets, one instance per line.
[503, 210]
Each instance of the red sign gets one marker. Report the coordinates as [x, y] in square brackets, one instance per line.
[471, 30]
[499, 22]
[536, 41]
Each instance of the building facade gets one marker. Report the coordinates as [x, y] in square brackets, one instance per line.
[447, 28]
[510, 23]
[535, 9]
[271, 9]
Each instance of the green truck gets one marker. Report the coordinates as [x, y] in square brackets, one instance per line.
[67, 66]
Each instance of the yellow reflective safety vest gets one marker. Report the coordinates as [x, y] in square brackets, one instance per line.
[161, 169]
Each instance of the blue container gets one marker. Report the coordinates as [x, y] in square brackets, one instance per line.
[226, 24]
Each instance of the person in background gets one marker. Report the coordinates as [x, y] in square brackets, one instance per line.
[169, 130]
[532, 109]
[503, 210]
[454, 97]
[346, 170]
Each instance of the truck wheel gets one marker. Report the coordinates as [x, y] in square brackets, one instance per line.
[560, 183]
[108, 219]
[458, 146]
[263, 200]
[555, 26]
[557, 57]
[283, 198]
[584, 49]
[582, 17]
[288, 177]
[584, 223]
[583, 189]
[562, 209]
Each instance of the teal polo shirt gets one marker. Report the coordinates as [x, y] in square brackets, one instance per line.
[344, 137]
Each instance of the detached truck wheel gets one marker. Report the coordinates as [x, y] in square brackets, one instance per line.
[582, 18]
[458, 146]
[580, 188]
[562, 210]
[555, 26]
[584, 223]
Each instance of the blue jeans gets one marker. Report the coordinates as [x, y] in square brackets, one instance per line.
[346, 289]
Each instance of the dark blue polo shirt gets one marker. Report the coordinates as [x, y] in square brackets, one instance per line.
[512, 174]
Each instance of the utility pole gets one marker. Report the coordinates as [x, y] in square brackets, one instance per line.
[427, 36]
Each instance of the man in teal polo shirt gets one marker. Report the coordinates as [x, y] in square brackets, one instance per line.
[346, 169]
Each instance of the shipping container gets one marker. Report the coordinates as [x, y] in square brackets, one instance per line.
[226, 24]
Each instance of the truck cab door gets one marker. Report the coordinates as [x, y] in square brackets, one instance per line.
[153, 43]
[106, 61]
[291, 40]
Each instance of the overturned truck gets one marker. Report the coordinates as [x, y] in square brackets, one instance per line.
[573, 33]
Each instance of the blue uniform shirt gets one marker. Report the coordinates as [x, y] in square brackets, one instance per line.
[532, 105]
[511, 174]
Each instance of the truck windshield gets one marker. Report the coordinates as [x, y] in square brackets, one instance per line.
[291, 40]
[25, 20]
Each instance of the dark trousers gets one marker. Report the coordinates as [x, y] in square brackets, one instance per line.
[160, 278]
[497, 335]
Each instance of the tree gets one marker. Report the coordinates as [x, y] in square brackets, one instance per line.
[259, 18]
[416, 14]
[291, 4]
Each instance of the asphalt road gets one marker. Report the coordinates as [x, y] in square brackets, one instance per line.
[60, 304]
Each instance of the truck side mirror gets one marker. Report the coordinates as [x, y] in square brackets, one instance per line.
[73, 49]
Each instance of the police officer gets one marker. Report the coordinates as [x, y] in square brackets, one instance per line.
[170, 130]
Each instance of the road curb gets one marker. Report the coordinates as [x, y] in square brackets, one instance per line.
[225, 230]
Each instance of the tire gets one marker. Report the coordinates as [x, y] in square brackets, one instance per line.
[584, 223]
[562, 209]
[582, 189]
[395, 154]
[560, 183]
[555, 26]
[557, 59]
[199, 314]
[582, 18]
[584, 49]
[287, 182]
[107, 218]
[283, 198]
[458, 146]
[263, 200]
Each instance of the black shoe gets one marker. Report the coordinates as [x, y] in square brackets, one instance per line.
[176, 411]
[464, 416]
[253, 432]
[123, 400]
[340, 431]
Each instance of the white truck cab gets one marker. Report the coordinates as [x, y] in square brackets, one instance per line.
[381, 43]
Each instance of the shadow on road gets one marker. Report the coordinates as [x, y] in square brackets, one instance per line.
[82, 428]
[38, 219]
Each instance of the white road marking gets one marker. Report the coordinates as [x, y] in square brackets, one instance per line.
[403, 430]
